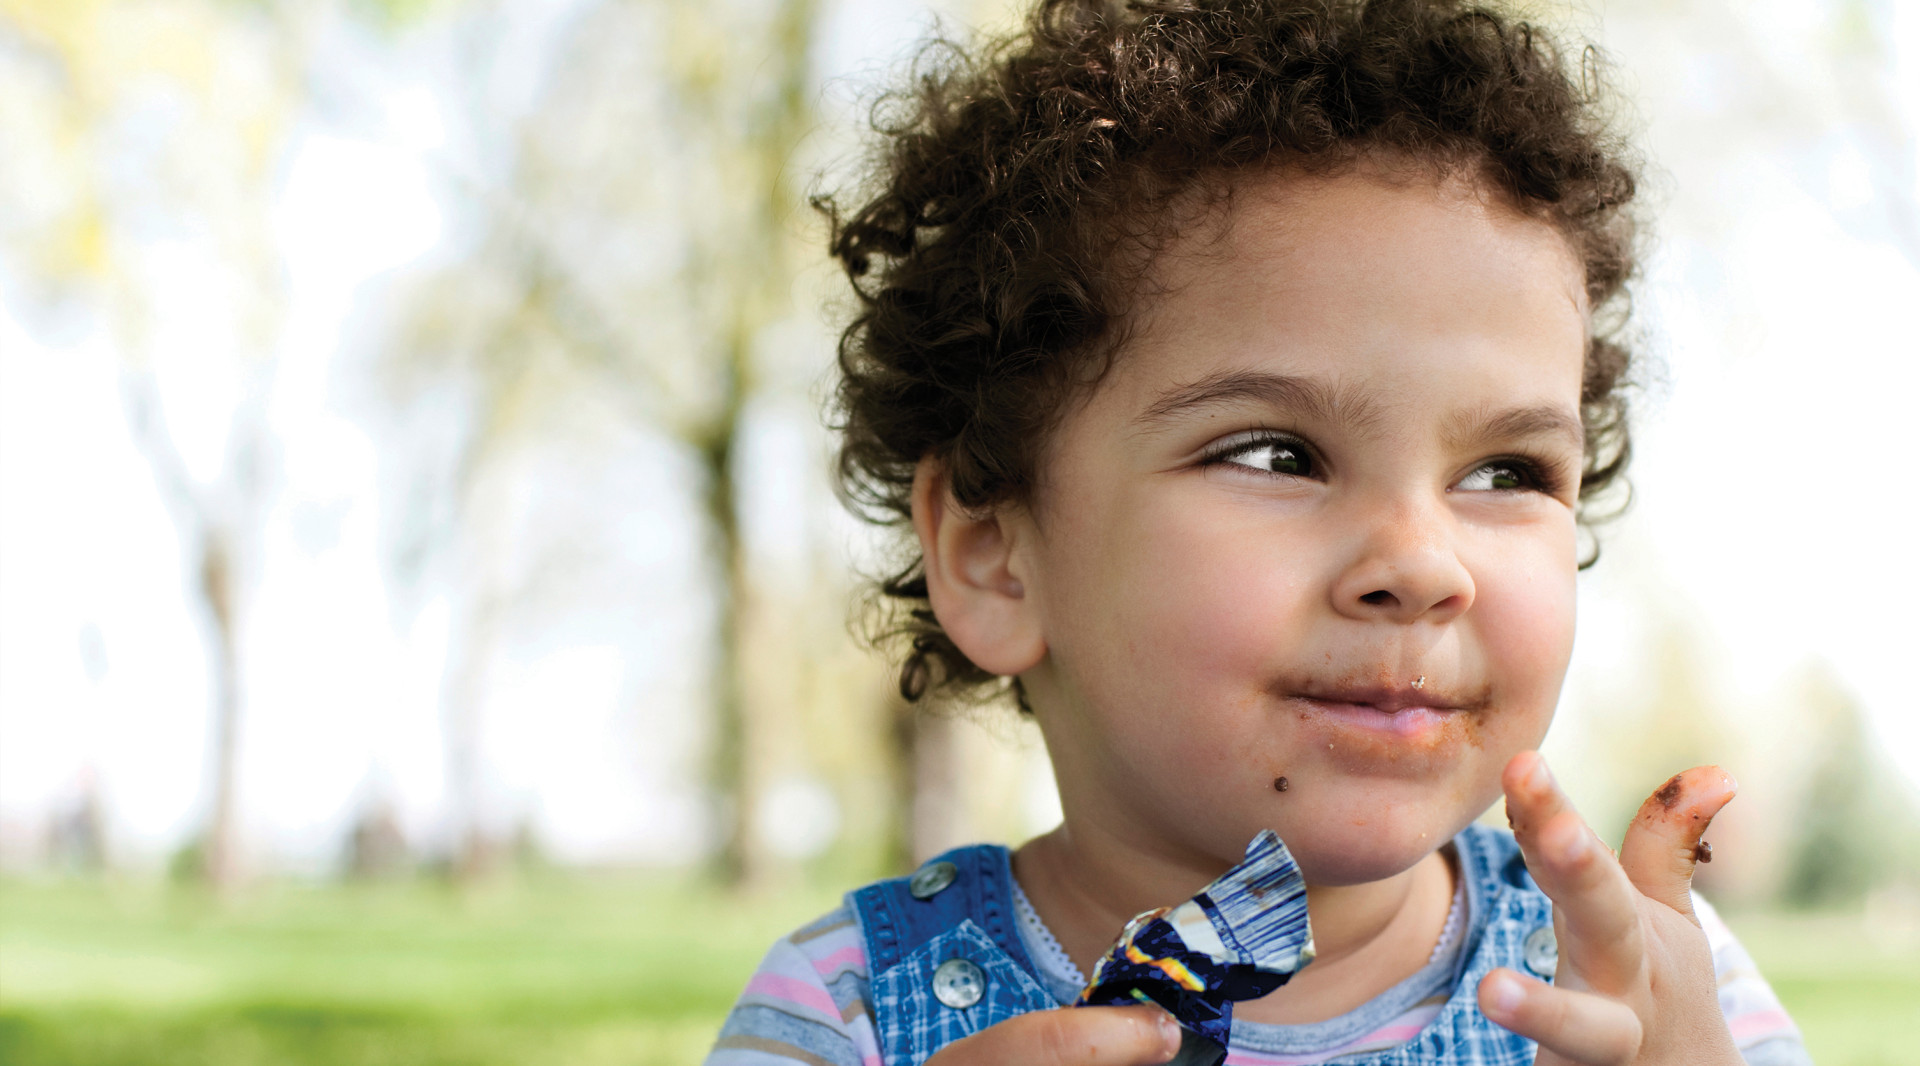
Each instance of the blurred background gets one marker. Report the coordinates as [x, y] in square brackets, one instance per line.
[426, 625]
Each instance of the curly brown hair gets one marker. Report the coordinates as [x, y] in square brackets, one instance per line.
[1020, 191]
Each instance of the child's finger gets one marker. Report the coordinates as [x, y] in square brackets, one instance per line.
[1075, 1036]
[1580, 1026]
[1593, 900]
[1662, 844]
[1532, 794]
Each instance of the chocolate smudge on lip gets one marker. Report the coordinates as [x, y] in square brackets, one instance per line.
[1669, 793]
[1459, 717]
[1703, 852]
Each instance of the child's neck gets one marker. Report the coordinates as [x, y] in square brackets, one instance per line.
[1369, 937]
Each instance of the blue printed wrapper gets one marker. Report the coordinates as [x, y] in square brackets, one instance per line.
[1243, 936]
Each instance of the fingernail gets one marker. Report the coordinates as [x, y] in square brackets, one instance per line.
[1169, 1034]
[1507, 994]
[1540, 779]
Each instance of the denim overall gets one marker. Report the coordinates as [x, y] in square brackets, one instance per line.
[947, 961]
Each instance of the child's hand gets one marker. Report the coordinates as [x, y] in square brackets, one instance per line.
[1076, 1036]
[1635, 982]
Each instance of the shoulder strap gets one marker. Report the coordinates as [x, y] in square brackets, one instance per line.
[944, 956]
[1495, 853]
[896, 921]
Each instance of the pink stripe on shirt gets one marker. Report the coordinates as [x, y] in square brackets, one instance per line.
[1748, 1028]
[793, 990]
[851, 957]
[1387, 1036]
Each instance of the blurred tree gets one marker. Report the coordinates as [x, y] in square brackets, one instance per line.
[221, 525]
[145, 142]
[77, 832]
[376, 844]
[1816, 87]
[1857, 828]
[1674, 725]
[635, 244]
[928, 804]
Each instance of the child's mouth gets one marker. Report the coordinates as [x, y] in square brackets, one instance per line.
[1394, 707]
[1389, 730]
[1412, 723]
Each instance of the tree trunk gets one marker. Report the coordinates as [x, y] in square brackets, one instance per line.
[939, 801]
[742, 861]
[472, 853]
[758, 274]
[929, 804]
[220, 852]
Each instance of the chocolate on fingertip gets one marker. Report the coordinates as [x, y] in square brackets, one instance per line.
[1669, 794]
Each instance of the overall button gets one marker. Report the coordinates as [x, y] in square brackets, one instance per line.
[1541, 951]
[928, 880]
[959, 984]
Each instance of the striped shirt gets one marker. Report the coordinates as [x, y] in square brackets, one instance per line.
[809, 1003]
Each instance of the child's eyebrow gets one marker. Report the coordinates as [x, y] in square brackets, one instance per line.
[1316, 401]
[1519, 423]
[1304, 395]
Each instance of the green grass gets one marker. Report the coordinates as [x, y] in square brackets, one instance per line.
[571, 972]
[1851, 984]
[578, 972]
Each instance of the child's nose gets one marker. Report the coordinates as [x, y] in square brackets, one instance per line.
[1404, 569]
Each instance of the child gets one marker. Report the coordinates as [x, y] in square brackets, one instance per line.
[1243, 368]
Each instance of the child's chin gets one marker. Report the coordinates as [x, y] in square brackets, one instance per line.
[1349, 857]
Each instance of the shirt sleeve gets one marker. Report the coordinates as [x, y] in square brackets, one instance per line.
[807, 1003]
[1760, 1026]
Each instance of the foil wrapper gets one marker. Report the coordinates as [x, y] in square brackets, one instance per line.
[1240, 938]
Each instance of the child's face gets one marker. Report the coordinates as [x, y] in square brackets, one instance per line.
[1339, 455]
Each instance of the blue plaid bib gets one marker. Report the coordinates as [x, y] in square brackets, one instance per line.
[946, 959]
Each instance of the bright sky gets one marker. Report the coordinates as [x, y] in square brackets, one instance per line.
[1771, 504]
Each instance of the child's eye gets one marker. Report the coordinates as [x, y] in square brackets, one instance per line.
[1267, 454]
[1502, 475]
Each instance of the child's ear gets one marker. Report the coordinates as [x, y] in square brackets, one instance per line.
[976, 577]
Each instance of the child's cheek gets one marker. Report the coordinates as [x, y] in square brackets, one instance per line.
[1523, 620]
[1168, 622]
[1196, 639]
[1215, 606]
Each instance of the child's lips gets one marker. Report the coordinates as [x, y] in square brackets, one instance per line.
[1411, 722]
[1391, 700]
[1397, 731]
